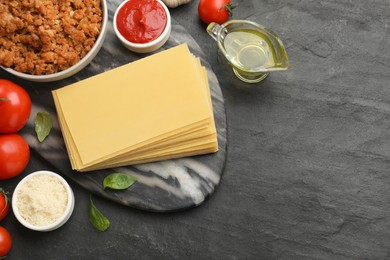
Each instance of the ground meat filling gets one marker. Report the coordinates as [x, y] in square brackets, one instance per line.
[42, 37]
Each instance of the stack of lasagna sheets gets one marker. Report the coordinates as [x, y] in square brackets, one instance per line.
[156, 108]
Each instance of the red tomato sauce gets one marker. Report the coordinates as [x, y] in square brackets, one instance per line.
[141, 21]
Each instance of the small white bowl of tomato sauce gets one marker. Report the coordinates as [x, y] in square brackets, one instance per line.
[142, 26]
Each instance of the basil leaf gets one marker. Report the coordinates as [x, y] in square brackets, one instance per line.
[118, 181]
[43, 125]
[97, 219]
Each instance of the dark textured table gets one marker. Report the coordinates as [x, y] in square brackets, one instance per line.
[307, 171]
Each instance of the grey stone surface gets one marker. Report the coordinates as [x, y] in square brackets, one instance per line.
[307, 173]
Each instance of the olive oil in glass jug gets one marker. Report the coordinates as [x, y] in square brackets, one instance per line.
[252, 50]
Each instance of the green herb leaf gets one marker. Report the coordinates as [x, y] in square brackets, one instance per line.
[97, 219]
[43, 125]
[119, 181]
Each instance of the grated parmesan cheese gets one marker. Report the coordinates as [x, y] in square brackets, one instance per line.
[42, 199]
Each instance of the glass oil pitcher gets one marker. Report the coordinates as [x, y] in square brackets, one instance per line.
[252, 50]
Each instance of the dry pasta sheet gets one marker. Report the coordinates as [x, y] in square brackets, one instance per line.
[155, 108]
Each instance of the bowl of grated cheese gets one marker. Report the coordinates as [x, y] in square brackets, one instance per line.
[43, 201]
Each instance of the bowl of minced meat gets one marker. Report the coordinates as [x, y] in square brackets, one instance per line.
[49, 40]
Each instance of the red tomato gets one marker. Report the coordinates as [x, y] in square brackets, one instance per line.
[217, 11]
[15, 107]
[14, 155]
[5, 242]
[3, 204]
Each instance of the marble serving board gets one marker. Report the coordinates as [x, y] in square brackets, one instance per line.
[163, 186]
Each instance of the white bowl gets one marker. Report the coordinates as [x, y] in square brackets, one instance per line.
[149, 46]
[60, 220]
[76, 67]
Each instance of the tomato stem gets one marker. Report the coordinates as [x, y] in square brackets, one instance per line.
[229, 8]
[5, 99]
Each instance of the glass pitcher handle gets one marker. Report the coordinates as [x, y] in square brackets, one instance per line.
[213, 29]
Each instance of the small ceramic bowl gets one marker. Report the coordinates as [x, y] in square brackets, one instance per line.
[36, 203]
[149, 46]
[76, 67]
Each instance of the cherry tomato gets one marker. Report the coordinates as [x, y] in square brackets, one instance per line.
[5, 242]
[4, 207]
[217, 11]
[15, 107]
[14, 155]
